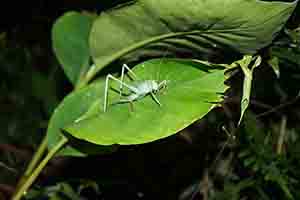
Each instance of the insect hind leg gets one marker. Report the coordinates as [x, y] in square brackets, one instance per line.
[122, 77]
[108, 77]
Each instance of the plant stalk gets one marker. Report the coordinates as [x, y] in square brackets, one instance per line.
[33, 163]
[93, 71]
[281, 137]
[31, 177]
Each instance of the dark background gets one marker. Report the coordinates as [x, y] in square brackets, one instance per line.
[160, 169]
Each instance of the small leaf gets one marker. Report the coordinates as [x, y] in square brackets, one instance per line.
[274, 63]
[70, 35]
[294, 34]
[284, 186]
[249, 161]
[151, 27]
[192, 91]
[248, 75]
[244, 153]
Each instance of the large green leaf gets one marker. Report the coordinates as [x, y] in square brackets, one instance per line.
[186, 25]
[192, 91]
[70, 36]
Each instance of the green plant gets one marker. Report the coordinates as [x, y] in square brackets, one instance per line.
[268, 169]
[146, 29]
[63, 190]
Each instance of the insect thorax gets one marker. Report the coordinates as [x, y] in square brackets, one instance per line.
[147, 86]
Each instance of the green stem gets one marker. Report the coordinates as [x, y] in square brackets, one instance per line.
[94, 70]
[282, 133]
[33, 176]
[33, 163]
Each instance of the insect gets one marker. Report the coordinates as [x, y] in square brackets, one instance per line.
[138, 89]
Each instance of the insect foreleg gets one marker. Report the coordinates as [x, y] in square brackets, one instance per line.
[162, 84]
[155, 98]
